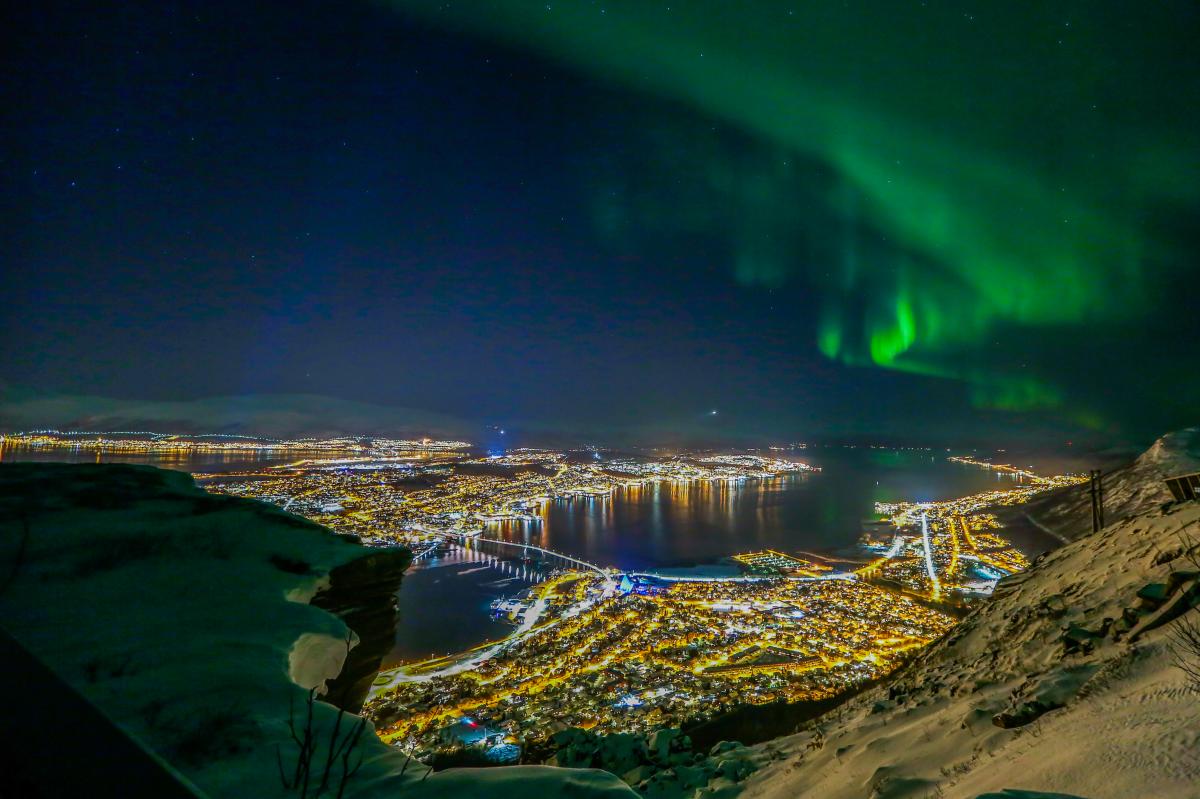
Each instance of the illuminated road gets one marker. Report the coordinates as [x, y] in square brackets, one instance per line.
[686, 578]
[966, 532]
[952, 569]
[894, 551]
[424, 553]
[933, 578]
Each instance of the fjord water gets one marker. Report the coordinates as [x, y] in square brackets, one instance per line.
[683, 524]
[183, 461]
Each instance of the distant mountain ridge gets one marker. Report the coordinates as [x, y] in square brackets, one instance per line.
[271, 415]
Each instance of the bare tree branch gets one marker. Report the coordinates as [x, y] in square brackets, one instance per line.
[341, 746]
[1185, 645]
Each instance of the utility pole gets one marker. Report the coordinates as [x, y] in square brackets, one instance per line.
[1096, 487]
[1092, 493]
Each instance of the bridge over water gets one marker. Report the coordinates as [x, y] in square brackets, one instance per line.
[478, 543]
[474, 542]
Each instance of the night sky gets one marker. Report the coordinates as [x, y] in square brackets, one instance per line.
[906, 218]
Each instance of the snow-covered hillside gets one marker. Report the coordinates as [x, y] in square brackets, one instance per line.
[1065, 682]
[186, 618]
[1128, 491]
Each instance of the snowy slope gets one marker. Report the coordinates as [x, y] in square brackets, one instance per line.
[184, 617]
[1128, 491]
[1091, 704]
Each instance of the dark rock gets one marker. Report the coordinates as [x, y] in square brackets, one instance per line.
[290, 565]
[724, 746]
[1023, 714]
[1167, 556]
[1080, 639]
[735, 769]
[1179, 578]
[363, 594]
[1054, 606]
[1013, 793]
[692, 776]
[1153, 594]
[663, 743]
[620, 752]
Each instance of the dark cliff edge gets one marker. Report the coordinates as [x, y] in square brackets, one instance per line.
[362, 593]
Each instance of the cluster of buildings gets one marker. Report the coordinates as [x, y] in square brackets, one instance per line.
[711, 467]
[388, 498]
[737, 466]
[145, 441]
[950, 549]
[521, 457]
[659, 653]
[614, 653]
[772, 562]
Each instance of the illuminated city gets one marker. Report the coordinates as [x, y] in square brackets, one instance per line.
[657, 653]
[382, 499]
[955, 546]
[595, 647]
[146, 441]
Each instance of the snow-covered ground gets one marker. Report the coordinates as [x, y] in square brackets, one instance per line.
[184, 617]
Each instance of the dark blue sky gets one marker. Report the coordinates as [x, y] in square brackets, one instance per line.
[377, 204]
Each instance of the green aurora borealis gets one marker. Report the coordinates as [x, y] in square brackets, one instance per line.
[971, 192]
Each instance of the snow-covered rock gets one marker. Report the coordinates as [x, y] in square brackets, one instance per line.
[175, 612]
[362, 593]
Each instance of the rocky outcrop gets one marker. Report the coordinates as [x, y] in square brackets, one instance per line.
[362, 593]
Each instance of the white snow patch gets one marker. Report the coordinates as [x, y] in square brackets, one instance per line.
[316, 658]
[306, 590]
